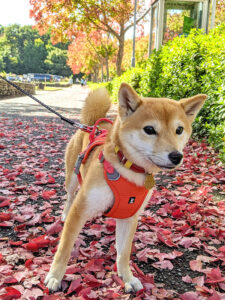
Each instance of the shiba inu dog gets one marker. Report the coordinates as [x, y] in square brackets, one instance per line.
[151, 134]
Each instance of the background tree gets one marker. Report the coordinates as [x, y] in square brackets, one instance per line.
[89, 53]
[82, 57]
[220, 12]
[56, 61]
[67, 18]
[23, 50]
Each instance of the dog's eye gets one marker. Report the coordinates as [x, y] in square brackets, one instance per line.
[149, 130]
[179, 130]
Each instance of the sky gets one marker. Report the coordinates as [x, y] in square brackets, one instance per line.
[15, 11]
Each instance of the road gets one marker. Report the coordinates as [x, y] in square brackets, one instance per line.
[67, 101]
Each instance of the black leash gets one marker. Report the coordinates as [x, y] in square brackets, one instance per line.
[77, 125]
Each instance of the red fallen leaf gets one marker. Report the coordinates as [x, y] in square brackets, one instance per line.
[222, 249]
[39, 175]
[10, 280]
[110, 222]
[48, 194]
[19, 188]
[149, 220]
[1, 258]
[20, 227]
[18, 243]
[5, 203]
[73, 269]
[214, 296]
[178, 182]
[2, 147]
[208, 231]
[88, 294]
[142, 255]
[196, 265]
[222, 285]
[177, 213]
[6, 224]
[199, 280]
[165, 264]
[37, 243]
[11, 293]
[20, 219]
[167, 240]
[199, 180]
[28, 263]
[95, 265]
[44, 289]
[115, 267]
[55, 227]
[214, 276]
[91, 280]
[189, 296]
[193, 208]
[75, 286]
[51, 179]
[187, 279]
[118, 280]
[33, 293]
[5, 217]
[2, 198]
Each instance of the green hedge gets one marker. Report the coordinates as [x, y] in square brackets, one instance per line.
[182, 68]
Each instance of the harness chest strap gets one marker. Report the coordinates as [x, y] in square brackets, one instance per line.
[128, 197]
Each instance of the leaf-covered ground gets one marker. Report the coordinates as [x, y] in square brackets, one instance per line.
[178, 251]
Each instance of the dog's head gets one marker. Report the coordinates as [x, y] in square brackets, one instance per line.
[154, 131]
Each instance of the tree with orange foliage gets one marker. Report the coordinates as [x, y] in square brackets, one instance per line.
[67, 18]
[88, 53]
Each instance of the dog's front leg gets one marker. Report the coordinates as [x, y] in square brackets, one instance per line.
[125, 230]
[72, 226]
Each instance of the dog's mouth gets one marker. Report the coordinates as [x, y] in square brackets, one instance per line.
[164, 167]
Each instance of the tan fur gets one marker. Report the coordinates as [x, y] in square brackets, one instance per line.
[96, 106]
[151, 152]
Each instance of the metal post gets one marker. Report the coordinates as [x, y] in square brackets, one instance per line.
[213, 14]
[150, 33]
[134, 34]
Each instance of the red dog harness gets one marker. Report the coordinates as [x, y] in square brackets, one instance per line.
[128, 197]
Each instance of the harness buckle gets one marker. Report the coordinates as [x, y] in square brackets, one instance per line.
[78, 163]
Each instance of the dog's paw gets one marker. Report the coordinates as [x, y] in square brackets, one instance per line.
[134, 285]
[52, 283]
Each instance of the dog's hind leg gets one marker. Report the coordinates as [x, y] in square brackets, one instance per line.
[71, 191]
[125, 230]
[73, 149]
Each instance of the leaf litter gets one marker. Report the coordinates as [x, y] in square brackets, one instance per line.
[178, 250]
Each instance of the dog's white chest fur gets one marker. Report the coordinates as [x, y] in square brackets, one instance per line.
[99, 200]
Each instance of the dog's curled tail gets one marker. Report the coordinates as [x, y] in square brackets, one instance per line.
[96, 106]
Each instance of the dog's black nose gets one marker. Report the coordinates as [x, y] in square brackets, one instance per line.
[175, 157]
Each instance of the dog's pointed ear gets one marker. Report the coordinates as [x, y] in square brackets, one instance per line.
[193, 105]
[128, 100]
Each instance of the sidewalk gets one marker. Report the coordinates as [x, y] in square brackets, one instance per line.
[67, 101]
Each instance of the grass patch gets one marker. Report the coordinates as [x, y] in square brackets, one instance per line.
[50, 88]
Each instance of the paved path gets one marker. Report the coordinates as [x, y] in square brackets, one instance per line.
[67, 101]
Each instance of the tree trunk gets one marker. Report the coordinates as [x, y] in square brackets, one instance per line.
[119, 58]
[107, 66]
[102, 71]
